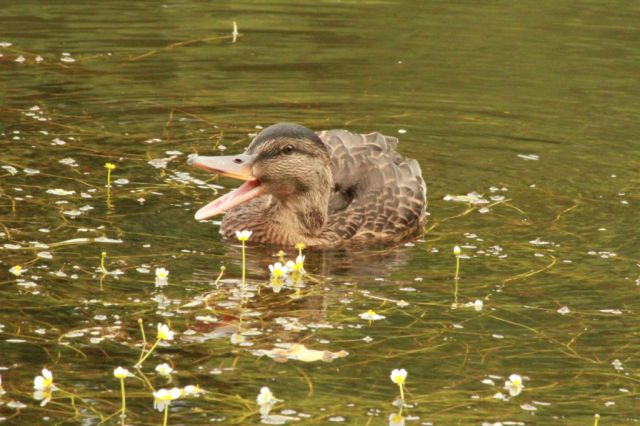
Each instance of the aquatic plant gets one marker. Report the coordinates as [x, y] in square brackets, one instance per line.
[164, 370]
[278, 270]
[103, 257]
[243, 237]
[457, 252]
[164, 334]
[399, 377]
[121, 374]
[16, 270]
[162, 399]
[514, 385]
[109, 167]
[396, 419]
[43, 387]
[266, 400]
[371, 315]
[162, 277]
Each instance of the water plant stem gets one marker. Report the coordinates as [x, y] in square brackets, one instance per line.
[244, 269]
[222, 268]
[457, 277]
[103, 257]
[124, 403]
[166, 414]
[401, 394]
[144, 358]
[144, 336]
[596, 419]
[455, 293]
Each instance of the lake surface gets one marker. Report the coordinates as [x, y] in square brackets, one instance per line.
[531, 108]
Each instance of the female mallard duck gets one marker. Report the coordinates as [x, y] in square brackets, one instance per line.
[324, 190]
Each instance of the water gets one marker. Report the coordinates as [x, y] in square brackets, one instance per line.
[532, 108]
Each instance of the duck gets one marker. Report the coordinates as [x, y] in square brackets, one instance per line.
[333, 188]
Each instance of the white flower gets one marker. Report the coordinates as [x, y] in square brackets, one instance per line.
[164, 369]
[44, 382]
[43, 395]
[617, 364]
[162, 277]
[277, 270]
[290, 265]
[243, 235]
[276, 285]
[16, 270]
[191, 390]
[265, 397]
[514, 385]
[399, 376]
[121, 373]
[299, 265]
[161, 274]
[457, 251]
[477, 305]
[237, 338]
[371, 315]
[163, 397]
[396, 419]
[164, 332]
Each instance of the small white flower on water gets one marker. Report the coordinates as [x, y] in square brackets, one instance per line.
[514, 385]
[477, 305]
[371, 315]
[500, 396]
[237, 338]
[43, 382]
[191, 390]
[162, 273]
[164, 332]
[396, 419]
[617, 365]
[265, 397]
[277, 270]
[162, 277]
[243, 235]
[121, 373]
[163, 397]
[299, 265]
[457, 251]
[43, 395]
[399, 376]
[164, 369]
[564, 310]
[16, 270]
[290, 265]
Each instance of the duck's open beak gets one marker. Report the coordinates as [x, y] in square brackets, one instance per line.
[235, 166]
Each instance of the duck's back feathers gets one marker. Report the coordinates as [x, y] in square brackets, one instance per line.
[379, 195]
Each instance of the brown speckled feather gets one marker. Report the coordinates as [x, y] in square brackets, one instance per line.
[380, 195]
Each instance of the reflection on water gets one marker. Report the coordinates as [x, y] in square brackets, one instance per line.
[523, 118]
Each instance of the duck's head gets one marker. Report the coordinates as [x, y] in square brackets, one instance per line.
[286, 160]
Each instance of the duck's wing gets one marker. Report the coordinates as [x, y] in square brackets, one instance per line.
[378, 193]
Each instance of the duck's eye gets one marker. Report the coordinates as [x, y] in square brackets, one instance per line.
[288, 149]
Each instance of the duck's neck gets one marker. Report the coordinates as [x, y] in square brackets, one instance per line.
[301, 218]
[303, 215]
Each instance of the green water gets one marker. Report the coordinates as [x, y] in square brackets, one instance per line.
[532, 106]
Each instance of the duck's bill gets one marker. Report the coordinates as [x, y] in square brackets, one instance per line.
[235, 166]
